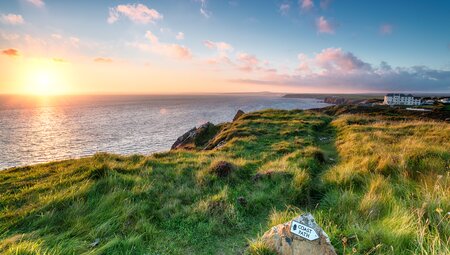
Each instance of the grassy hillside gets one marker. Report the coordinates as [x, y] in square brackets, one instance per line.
[377, 186]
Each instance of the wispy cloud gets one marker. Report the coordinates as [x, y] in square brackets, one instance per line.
[10, 52]
[386, 29]
[75, 41]
[37, 3]
[103, 60]
[138, 13]
[56, 36]
[12, 19]
[284, 8]
[220, 46]
[204, 9]
[306, 4]
[165, 49]
[59, 60]
[179, 36]
[324, 26]
[248, 62]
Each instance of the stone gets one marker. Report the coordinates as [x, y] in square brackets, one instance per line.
[242, 201]
[223, 169]
[196, 137]
[281, 239]
[238, 115]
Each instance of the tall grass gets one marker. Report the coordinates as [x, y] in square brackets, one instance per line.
[376, 186]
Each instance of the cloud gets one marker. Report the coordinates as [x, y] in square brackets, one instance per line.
[138, 13]
[75, 41]
[247, 62]
[59, 60]
[335, 59]
[10, 52]
[9, 36]
[220, 46]
[386, 29]
[165, 49]
[180, 36]
[324, 26]
[284, 8]
[203, 8]
[57, 36]
[12, 19]
[334, 69]
[103, 60]
[37, 3]
[306, 4]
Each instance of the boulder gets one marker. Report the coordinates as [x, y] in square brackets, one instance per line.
[196, 137]
[238, 115]
[299, 236]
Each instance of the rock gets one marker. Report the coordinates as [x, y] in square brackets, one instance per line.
[242, 201]
[284, 242]
[196, 137]
[223, 169]
[188, 136]
[95, 243]
[238, 115]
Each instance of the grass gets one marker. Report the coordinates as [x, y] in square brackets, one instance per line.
[376, 186]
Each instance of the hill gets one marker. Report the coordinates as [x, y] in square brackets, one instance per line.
[377, 185]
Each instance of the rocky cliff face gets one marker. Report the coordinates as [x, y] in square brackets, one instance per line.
[196, 137]
[202, 137]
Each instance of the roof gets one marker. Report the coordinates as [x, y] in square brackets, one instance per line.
[398, 95]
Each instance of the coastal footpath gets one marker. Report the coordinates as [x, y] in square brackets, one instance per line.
[376, 182]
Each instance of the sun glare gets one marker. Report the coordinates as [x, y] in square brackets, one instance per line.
[44, 78]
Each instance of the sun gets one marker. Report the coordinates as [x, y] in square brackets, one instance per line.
[44, 78]
[45, 82]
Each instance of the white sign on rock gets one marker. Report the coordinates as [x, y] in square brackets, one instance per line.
[303, 231]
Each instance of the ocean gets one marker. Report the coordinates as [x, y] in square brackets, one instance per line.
[35, 130]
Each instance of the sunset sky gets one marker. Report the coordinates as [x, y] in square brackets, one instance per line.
[202, 46]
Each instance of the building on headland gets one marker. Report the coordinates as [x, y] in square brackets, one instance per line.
[445, 100]
[401, 99]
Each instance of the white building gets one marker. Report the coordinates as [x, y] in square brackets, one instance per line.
[445, 100]
[401, 99]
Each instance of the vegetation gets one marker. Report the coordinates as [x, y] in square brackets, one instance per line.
[376, 185]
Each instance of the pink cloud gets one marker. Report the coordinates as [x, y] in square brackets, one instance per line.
[10, 52]
[74, 41]
[138, 13]
[169, 50]
[247, 62]
[306, 4]
[12, 19]
[335, 59]
[37, 3]
[324, 26]
[386, 29]
[220, 46]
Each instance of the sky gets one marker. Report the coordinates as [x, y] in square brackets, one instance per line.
[208, 46]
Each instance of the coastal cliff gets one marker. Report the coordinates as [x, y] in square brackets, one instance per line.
[375, 183]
